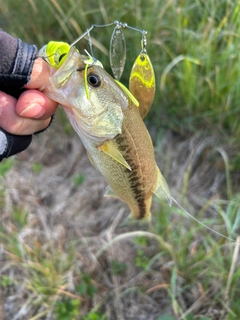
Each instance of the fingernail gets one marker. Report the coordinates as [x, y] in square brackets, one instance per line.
[34, 110]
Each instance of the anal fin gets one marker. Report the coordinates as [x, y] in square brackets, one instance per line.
[110, 193]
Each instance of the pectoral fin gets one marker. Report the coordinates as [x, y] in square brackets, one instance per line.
[161, 189]
[112, 151]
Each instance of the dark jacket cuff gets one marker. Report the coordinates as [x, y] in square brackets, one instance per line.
[16, 63]
[11, 144]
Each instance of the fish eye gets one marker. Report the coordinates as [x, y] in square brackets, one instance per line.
[94, 80]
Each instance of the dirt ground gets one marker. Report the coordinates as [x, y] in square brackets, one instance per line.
[60, 212]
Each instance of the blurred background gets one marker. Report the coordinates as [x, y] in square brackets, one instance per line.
[63, 255]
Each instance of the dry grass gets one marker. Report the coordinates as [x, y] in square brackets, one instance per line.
[63, 255]
[55, 232]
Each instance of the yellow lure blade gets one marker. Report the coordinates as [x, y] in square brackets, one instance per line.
[142, 83]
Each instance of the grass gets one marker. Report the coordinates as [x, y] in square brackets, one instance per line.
[185, 264]
[193, 46]
[52, 267]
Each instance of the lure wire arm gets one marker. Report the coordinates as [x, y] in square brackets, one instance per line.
[117, 46]
[118, 25]
[87, 32]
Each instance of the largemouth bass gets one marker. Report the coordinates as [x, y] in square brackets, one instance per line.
[106, 118]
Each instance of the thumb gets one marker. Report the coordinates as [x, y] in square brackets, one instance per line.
[40, 74]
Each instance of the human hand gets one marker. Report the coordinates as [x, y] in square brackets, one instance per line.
[33, 110]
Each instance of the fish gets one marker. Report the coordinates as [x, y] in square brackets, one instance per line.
[107, 119]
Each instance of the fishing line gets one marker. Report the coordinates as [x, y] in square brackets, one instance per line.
[203, 224]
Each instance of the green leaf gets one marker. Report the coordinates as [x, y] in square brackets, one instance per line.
[118, 267]
[166, 317]
[91, 290]
[6, 165]
[66, 310]
[82, 288]
[37, 167]
[190, 316]
[141, 240]
[94, 316]
[6, 281]
[78, 179]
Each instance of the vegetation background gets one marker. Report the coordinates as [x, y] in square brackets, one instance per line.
[62, 254]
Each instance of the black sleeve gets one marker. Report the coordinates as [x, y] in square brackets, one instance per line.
[11, 144]
[16, 63]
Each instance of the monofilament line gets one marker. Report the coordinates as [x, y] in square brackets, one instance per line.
[202, 224]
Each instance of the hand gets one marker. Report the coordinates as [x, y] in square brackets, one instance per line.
[33, 110]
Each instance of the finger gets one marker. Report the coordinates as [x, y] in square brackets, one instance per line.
[11, 122]
[34, 104]
[40, 74]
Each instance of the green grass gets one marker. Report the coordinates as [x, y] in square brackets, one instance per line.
[194, 47]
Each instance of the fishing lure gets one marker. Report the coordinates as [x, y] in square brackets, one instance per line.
[142, 78]
[54, 53]
[117, 51]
